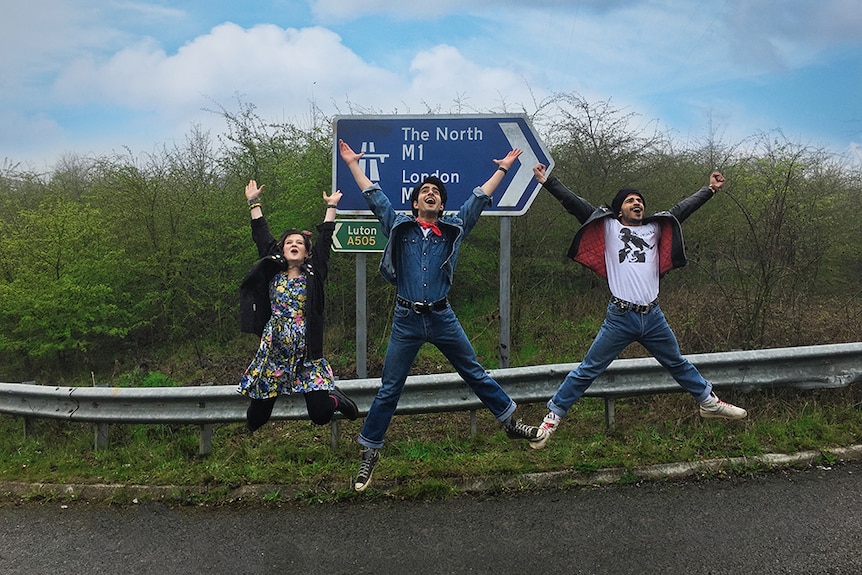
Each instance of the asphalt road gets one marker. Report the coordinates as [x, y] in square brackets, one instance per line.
[786, 522]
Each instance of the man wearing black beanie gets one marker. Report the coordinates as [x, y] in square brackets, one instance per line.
[617, 203]
[632, 252]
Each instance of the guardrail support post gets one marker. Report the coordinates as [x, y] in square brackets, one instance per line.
[29, 427]
[101, 429]
[205, 442]
[334, 433]
[101, 436]
[473, 431]
[610, 418]
[205, 445]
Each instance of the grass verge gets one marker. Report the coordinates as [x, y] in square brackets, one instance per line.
[426, 456]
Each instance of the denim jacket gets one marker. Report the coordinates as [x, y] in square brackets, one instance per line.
[456, 225]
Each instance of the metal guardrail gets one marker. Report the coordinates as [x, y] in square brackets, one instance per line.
[811, 367]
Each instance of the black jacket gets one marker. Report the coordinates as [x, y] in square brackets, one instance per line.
[255, 308]
[588, 245]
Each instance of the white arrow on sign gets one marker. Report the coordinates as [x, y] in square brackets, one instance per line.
[527, 160]
[335, 240]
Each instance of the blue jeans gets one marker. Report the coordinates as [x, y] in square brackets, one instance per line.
[619, 329]
[409, 331]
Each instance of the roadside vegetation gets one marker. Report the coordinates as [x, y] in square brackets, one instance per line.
[124, 270]
[426, 456]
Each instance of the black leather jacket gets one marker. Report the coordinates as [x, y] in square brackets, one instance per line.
[588, 245]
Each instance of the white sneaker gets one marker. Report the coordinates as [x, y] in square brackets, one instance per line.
[714, 408]
[549, 425]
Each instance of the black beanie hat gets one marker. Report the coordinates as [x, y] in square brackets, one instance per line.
[617, 204]
[429, 180]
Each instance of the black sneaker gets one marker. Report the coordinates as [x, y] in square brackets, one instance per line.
[344, 404]
[517, 430]
[370, 457]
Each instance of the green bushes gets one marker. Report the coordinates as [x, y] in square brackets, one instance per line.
[106, 262]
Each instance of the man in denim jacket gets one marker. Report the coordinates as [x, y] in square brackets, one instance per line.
[420, 260]
[632, 252]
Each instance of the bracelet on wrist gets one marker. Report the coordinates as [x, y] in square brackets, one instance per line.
[255, 200]
[331, 206]
[502, 169]
[254, 205]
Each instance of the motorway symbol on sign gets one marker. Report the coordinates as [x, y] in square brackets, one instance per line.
[401, 150]
[358, 236]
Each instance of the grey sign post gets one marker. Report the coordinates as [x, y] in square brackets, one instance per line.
[362, 237]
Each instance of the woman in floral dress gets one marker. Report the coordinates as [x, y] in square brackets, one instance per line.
[282, 301]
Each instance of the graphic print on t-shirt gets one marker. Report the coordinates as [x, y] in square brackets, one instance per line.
[634, 247]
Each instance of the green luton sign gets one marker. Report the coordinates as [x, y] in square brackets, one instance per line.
[358, 236]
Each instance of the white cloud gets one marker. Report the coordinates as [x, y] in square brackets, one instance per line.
[327, 10]
[444, 76]
[154, 68]
[281, 71]
[785, 34]
[265, 62]
[399, 9]
[795, 22]
[33, 38]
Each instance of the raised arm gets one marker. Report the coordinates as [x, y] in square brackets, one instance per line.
[540, 172]
[689, 205]
[331, 205]
[351, 158]
[252, 194]
[503, 166]
[260, 234]
[573, 203]
[716, 181]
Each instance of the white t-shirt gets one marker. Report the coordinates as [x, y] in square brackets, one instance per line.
[631, 257]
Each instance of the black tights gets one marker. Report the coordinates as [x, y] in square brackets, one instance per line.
[319, 404]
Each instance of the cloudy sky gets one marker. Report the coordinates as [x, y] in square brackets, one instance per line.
[89, 77]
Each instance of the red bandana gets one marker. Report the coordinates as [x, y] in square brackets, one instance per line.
[430, 225]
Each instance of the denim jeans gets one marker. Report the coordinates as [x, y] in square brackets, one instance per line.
[409, 331]
[619, 329]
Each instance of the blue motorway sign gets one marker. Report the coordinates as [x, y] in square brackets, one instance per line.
[400, 150]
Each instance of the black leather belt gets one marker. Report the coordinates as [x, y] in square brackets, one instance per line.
[421, 306]
[635, 307]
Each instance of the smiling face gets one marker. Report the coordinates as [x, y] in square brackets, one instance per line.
[632, 210]
[295, 249]
[429, 198]
[428, 204]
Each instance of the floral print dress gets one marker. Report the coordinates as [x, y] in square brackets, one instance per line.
[280, 365]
